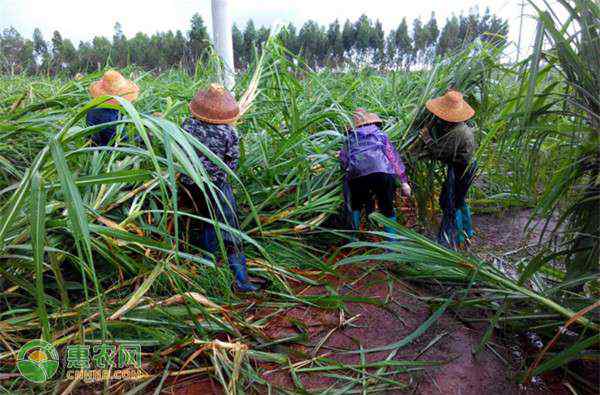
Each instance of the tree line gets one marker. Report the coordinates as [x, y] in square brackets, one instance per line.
[362, 42]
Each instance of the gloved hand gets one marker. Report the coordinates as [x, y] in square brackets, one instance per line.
[405, 189]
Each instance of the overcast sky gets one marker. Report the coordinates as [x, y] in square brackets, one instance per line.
[82, 20]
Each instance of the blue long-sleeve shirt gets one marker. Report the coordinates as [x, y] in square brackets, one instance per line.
[97, 116]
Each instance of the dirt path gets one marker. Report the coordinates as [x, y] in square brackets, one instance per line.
[394, 311]
[447, 343]
[401, 311]
[504, 232]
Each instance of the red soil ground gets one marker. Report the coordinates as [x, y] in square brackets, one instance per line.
[399, 312]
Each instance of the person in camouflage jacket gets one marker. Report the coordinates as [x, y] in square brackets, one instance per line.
[221, 140]
[451, 141]
[213, 112]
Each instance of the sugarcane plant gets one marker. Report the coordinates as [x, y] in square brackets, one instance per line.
[574, 192]
[93, 245]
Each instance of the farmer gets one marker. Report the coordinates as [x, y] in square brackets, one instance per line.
[448, 139]
[114, 84]
[213, 112]
[372, 167]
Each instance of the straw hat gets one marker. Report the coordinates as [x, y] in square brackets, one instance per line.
[451, 107]
[114, 84]
[215, 105]
[362, 117]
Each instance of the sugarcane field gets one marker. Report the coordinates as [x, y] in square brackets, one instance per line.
[343, 197]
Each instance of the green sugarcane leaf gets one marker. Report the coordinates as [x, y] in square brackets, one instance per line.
[567, 355]
[38, 220]
[410, 338]
[78, 221]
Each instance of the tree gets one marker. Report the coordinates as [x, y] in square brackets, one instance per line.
[348, 38]
[250, 37]
[120, 51]
[313, 43]
[330, 45]
[468, 28]
[170, 56]
[155, 54]
[11, 48]
[391, 50]
[449, 37]
[175, 45]
[178, 49]
[262, 35]
[69, 56]
[138, 47]
[85, 52]
[40, 50]
[101, 48]
[432, 32]
[57, 44]
[290, 38]
[419, 41]
[377, 43]
[27, 58]
[492, 29]
[364, 30]
[198, 37]
[238, 47]
[403, 44]
[335, 43]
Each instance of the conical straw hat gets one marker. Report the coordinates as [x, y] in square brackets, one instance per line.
[114, 84]
[362, 117]
[215, 105]
[451, 107]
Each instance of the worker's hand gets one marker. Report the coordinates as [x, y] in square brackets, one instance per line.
[405, 189]
[425, 136]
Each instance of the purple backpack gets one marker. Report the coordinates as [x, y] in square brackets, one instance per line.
[364, 152]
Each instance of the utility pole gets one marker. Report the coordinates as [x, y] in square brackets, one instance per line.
[221, 21]
[520, 31]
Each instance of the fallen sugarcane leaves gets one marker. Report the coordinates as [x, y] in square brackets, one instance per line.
[175, 299]
[120, 233]
[417, 249]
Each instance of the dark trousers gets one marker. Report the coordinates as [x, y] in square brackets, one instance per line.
[222, 208]
[459, 177]
[382, 186]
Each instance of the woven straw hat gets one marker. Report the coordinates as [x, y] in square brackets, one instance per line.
[362, 117]
[114, 84]
[215, 105]
[451, 107]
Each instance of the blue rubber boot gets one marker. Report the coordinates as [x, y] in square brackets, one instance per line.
[389, 229]
[467, 221]
[237, 264]
[458, 221]
[355, 224]
[356, 220]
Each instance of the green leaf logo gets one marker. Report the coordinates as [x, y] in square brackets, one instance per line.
[38, 361]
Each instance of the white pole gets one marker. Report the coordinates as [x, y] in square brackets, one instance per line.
[221, 21]
[520, 31]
